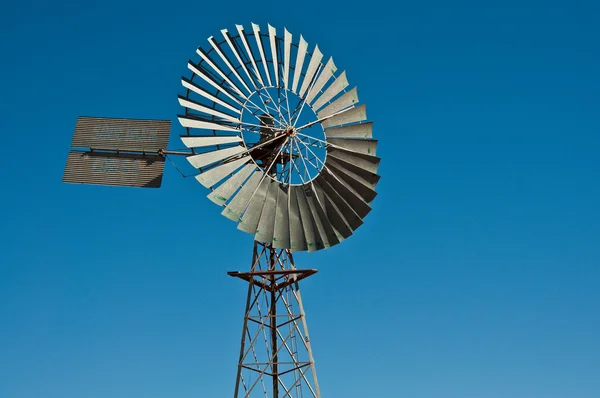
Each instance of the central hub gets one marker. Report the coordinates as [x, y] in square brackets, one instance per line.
[290, 131]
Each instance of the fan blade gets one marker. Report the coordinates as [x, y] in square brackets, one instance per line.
[347, 100]
[223, 57]
[201, 124]
[361, 130]
[222, 194]
[204, 159]
[366, 147]
[273, 41]
[198, 142]
[200, 91]
[350, 217]
[353, 181]
[266, 224]
[216, 174]
[261, 50]
[249, 220]
[327, 72]
[235, 52]
[236, 207]
[356, 203]
[298, 240]
[334, 89]
[366, 162]
[187, 103]
[220, 72]
[281, 231]
[315, 60]
[240, 30]
[302, 46]
[325, 222]
[206, 78]
[287, 44]
[354, 115]
[365, 177]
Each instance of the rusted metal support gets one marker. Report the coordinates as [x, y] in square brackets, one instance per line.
[275, 355]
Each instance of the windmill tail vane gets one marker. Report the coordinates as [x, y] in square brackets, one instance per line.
[278, 136]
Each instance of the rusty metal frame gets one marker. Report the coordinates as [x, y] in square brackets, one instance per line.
[282, 358]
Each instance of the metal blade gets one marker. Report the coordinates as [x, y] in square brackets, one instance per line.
[281, 232]
[335, 215]
[334, 89]
[347, 100]
[315, 60]
[186, 121]
[266, 224]
[302, 46]
[209, 111]
[198, 142]
[362, 187]
[352, 219]
[240, 30]
[323, 221]
[354, 115]
[366, 147]
[236, 207]
[249, 220]
[361, 130]
[358, 205]
[327, 72]
[287, 43]
[200, 91]
[297, 236]
[220, 72]
[217, 49]
[209, 80]
[228, 188]
[235, 52]
[216, 174]
[366, 162]
[273, 41]
[261, 50]
[204, 159]
[363, 176]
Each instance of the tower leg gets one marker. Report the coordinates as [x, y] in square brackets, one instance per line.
[275, 345]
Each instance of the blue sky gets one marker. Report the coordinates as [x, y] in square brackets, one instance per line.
[477, 274]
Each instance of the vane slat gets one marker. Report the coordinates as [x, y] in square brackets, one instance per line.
[355, 202]
[287, 44]
[327, 73]
[313, 66]
[196, 70]
[209, 140]
[297, 235]
[330, 92]
[222, 194]
[251, 216]
[353, 115]
[354, 181]
[281, 231]
[302, 46]
[365, 177]
[325, 218]
[204, 159]
[236, 207]
[345, 101]
[366, 147]
[200, 91]
[187, 103]
[266, 225]
[273, 42]
[237, 55]
[366, 162]
[361, 130]
[216, 174]
[187, 121]
[261, 50]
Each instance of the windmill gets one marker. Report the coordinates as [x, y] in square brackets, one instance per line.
[282, 143]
